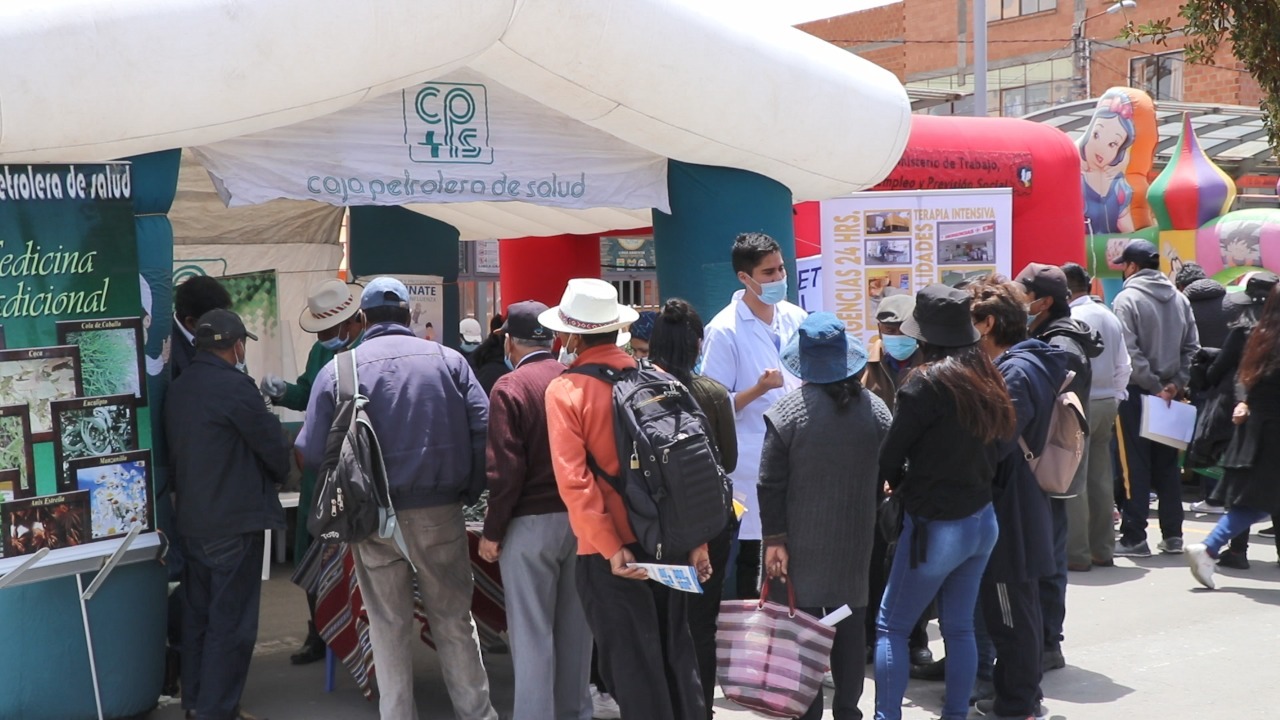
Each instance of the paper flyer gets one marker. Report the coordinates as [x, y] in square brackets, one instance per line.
[680, 577]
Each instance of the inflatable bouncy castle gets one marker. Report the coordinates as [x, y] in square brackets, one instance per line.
[1185, 210]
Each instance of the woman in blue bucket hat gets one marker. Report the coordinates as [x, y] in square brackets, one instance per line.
[819, 479]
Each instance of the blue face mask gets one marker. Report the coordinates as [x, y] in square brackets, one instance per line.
[899, 347]
[333, 344]
[774, 292]
[506, 359]
[1031, 320]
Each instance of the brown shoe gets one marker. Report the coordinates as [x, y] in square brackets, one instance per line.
[1079, 567]
[1104, 563]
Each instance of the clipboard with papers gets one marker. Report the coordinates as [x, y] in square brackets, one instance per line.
[1172, 424]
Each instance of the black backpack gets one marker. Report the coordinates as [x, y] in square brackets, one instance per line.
[676, 492]
[352, 499]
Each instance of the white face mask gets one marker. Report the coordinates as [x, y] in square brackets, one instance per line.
[241, 365]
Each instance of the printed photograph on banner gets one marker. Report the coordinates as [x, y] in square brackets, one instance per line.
[954, 276]
[37, 376]
[881, 281]
[888, 222]
[119, 488]
[17, 457]
[255, 297]
[889, 252]
[85, 427]
[49, 521]
[964, 243]
[111, 354]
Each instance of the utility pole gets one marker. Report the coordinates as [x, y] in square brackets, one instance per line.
[979, 58]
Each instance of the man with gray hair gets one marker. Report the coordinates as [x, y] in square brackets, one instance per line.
[527, 531]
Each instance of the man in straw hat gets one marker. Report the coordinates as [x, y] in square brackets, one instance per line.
[333, 315]
[228, 455]
[430, 416]
[646, 652]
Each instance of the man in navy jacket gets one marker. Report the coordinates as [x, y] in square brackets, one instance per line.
[228, 454]
[430, 415]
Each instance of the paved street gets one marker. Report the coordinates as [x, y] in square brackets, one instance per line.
[1143, 641]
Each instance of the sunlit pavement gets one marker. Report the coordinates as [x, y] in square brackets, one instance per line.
[1144, 640]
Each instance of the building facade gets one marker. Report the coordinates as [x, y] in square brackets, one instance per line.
[1041, 53]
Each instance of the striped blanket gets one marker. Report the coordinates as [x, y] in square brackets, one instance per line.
[342, 622]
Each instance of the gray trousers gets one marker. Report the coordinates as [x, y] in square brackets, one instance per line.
[1090, 534]
[437, 541]
[550, 642]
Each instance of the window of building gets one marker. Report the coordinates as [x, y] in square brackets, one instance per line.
[1159, 75]
[1011, 91]
[1005, 9]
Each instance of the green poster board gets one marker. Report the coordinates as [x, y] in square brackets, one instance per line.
[67, 252]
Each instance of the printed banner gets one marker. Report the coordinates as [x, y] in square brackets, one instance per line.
[68, 252]
[462, 138]
[809, 282]
[879, 240]
[923, 169]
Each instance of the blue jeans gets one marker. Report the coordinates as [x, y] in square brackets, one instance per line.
[951, 568]
[1235, 521]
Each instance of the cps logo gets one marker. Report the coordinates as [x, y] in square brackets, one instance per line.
[447, 123]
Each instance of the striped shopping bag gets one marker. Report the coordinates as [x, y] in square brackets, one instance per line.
[771, 658]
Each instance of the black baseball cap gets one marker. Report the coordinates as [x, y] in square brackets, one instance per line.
[1045, 281]
[1141, 252]
[220, 329]
[522, 321]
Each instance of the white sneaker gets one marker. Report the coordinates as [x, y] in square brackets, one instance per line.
[828, 680]
[603, 706]
[1203, 507]
[1202, 565]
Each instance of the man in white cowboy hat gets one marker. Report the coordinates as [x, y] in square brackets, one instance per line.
[431, 419]
[333, 315]
[650, 679]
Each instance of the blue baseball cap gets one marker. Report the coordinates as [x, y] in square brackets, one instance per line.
[384, 292]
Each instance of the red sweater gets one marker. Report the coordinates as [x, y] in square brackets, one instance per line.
[518, 457]
[580, 419]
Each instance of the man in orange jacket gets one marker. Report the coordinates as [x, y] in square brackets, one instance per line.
[646, 652]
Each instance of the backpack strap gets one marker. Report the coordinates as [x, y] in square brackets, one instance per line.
[609, 375]
[603, 373]
[346, 380]
[348, 388]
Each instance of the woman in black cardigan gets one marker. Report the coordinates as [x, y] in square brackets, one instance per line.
[675, 343]
[1252, 488]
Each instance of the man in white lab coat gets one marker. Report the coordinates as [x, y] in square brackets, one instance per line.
[740, 351]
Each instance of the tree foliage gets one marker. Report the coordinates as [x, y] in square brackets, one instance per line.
[1251, 26]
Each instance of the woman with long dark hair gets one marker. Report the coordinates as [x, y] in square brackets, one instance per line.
[819, 478]
[1251, 488]
[675, 343]
[939, 459]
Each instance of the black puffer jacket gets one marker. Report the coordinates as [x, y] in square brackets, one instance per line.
[1207, 308]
